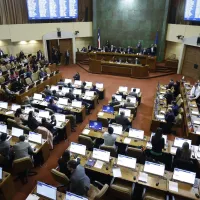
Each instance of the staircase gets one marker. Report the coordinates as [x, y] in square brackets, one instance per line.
[84, 62]
[167, 67]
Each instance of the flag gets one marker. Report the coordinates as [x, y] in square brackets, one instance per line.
[156, 39]
[99, 39]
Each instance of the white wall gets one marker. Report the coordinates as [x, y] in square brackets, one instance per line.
[173, 50]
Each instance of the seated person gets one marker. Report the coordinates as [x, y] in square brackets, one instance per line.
[4, 146]
[109, 137]
[13, 75]
[83, 87]
[62, 163]
[18, 117]
[69, 85]
[137, 61]
[53, 106]
[18, 85]
[79, 181]
[171, 84]
[42, 73]
[70, 95]
[22, 149]
[27, 101]
[134, 93]
[114, 102]
[49, 125]
[175, 108]
[29, 73]
[158, 143]
[76, 76]
[8, 91]
[123, 120]
[195, 92]
[128, 103]
[86, 104]
[21, 71]
[168, 96]
[47, 91]
[55, 94]
[62, 82]
[32, 121]
[169, 118]
[176, 88]
[94, 88]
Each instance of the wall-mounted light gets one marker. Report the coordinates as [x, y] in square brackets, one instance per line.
[22, 42]
[32, 41]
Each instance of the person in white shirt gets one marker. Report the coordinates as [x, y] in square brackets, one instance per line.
[195, 92]
[109, 137]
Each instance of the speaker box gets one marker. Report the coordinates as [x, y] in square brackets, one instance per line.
[198, 41]
[59, 34]
[196, 66]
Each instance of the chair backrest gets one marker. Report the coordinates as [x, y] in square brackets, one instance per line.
[60, 177]
[185, 165]
[2, 159]
[25, 128]
[12, 123]
[28, 81]
[103, 121]
[102, 193]
[21, 164]
[35, 76]
[8, 66]
[87, 141]
[178, 97]
[50, 111]
[135, 153]
[180, 102]
[178, 119]
[2, 79]
[48, 71]
[3, 68]
[112, 150]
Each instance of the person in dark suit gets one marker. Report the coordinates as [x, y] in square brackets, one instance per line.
[48, 125]
[145, 51]
[4, 146]
[176, 88]
[168, 96]
[77, 76]
[114, 102]
[137, 61]
[95, 90]
[169, 118]
[17, 85]
[153, 50]
[62, 163]
[67, 57]
[39, 55]
[128, 103]
[53, 106]
[121, 119]
[32, 121]
[21, 54]
[139, 47]
[55, 94]
[69, 85]
[129, 50]
[70, 95]
[171, 84]
[47, 91]
[79, 181]
[112, 48]
[22, 149]
[158, 142]
[83, 87]
[133, 93]
[42, 73]
[175, 108]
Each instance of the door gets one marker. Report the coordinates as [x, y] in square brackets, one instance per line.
[50, 45]
[66, 44]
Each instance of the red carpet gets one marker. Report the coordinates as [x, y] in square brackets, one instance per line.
[111, 83]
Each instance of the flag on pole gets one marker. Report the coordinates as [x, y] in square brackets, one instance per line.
[156, 39]
[99, 39]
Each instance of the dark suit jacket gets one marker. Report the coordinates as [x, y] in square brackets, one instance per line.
[33, 124]
[114, 103]
[157, 146]
[70, 96]
[169, 97]
[122, 120]
[169, 118]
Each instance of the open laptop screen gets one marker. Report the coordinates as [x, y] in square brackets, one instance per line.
[178, 142]
[135, 133]
[14, 107]
[126, 161]
[118, 129]
[17, 132]
[108, 109]
[1, 173]
[127, 112]
[37, 96]
[35, 137]
[101, 155]
[46, 190]
[77, 148]
[95, 125]
[154, 168]
[3, 128]
[3, 104]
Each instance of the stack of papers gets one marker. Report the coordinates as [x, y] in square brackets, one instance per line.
[9, 113]
[127, 140]
[32, 197]
[195, 112]
[117, 172]
[100, 114]
[98, 164]
[173, 186]
[86, 131]
[173, 150]
[143, 177]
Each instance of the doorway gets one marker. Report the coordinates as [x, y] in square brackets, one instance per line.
[62, 45]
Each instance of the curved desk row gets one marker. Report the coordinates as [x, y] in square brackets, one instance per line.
[123, 69]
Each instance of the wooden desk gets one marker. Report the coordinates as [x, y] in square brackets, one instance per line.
[81, 56]
[107, 67]
[7, 188]
[39, 88]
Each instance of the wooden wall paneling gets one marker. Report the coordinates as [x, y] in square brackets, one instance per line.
[64, 45]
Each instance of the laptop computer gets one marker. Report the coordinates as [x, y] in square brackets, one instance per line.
[118, 129]
[3, 128]
[95, 125]
[108, 109]
[78, 148]
[154, 168]
[71, 196]
[14, 107]
[101, 155]
[17, 132]
[77, 104]
[127, 112]
[135, 133]
[35, 137]
[126, 161]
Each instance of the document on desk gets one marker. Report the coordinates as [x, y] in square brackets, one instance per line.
[173, 150]
[32, 197]
[99, 164]
[9, 113]
[117, 172]
[143, 177]
[195, 112]
[173, 186]
[86, 131]
[127, 140]
[149, 145]
[197, 122]
[100, 114]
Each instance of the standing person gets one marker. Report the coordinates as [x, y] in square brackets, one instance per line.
[67, 57]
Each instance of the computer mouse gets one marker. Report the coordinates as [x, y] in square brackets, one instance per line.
[157, 184]
[197, 195]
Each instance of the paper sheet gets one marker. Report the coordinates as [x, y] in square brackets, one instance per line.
[32, 197]
[143, 177]
[173, 150]
[98, 164]
[149, 145]
[195, 112]
[9, 113]
[86, 131]
[173, 186]
[127, 140]
[196, 122]
[100, 114]
[117, 172]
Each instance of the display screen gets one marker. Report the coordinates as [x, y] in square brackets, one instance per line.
[192, 10]
[52, 9]
[108, 109]
[95, 125]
